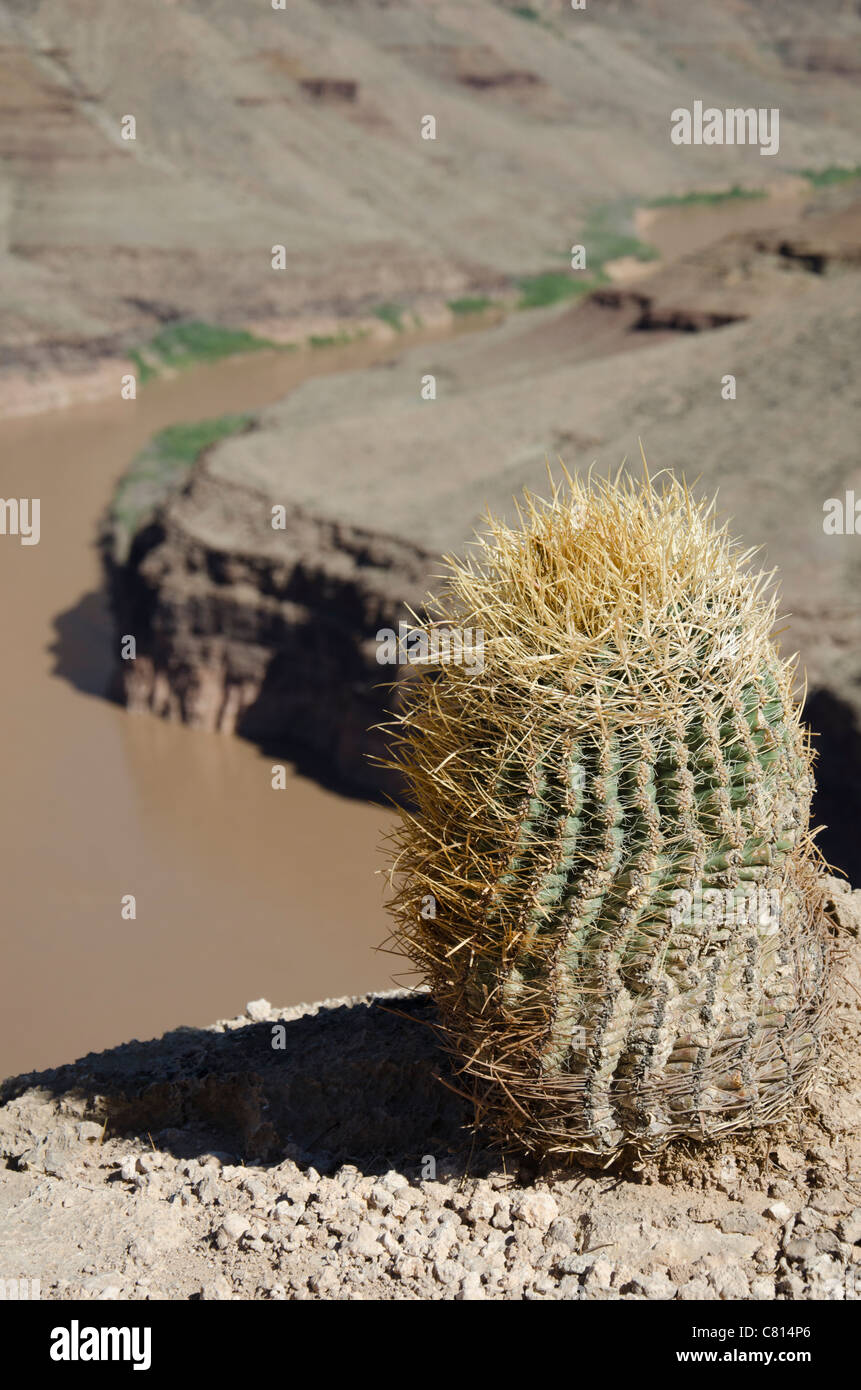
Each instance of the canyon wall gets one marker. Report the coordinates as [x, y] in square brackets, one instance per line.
[270, 632]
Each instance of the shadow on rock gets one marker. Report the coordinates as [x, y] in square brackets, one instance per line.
[837, 801]
[354, 1082]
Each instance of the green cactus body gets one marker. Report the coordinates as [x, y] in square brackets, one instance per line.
[631, 744]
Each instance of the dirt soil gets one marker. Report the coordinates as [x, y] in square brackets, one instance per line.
[313, 1153]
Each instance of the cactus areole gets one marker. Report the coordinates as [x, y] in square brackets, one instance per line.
[606, 876]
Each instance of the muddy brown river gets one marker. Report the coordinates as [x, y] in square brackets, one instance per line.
[240, 891]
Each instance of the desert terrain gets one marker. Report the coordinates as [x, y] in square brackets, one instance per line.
[271, 632]
[256, 128]
[420, 349]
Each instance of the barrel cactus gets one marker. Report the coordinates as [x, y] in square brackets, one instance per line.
[605, 872]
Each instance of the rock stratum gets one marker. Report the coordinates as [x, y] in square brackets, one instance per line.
[315, 1152]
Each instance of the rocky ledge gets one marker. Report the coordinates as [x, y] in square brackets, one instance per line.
[313, 1152]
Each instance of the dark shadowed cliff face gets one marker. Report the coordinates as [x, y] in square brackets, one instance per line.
[273, 638]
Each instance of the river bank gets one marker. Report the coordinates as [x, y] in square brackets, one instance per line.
[718, 362]
[72, 375]
[236, 884]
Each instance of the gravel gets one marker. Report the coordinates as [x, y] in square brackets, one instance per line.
[203, 1165]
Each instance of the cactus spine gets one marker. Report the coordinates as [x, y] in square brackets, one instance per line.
[611, 816]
